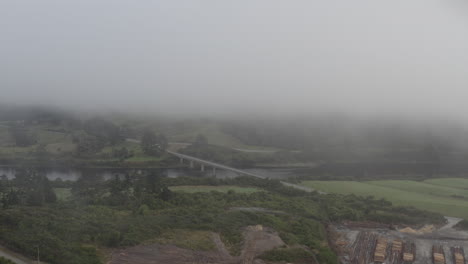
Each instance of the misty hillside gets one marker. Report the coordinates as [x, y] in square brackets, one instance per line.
[228, 132]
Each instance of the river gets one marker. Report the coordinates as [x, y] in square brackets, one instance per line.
[72, 174]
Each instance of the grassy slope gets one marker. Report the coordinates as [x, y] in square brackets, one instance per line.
[202, 188]
[63, 194]
[54, 142]
[422, 187]
[450, 182]
[57, 143]
[418, 194]
[215, 137]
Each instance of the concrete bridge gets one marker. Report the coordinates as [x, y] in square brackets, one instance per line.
[205, 163]
[213, 165]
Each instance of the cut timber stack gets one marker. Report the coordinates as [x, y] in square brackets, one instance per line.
[438, 255]
[409, 252]
[363, 248]
[396, 252]
[397, 246]
[458, 255]
[380, 250]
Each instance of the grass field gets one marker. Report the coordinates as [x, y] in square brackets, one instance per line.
[450, 182]
[446, 196]
[62, 193]
[54, 142]
[215, 136]
[202, 188]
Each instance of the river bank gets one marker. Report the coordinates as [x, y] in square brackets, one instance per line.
[73, 174]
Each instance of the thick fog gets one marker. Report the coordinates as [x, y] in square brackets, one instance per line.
[363, 56]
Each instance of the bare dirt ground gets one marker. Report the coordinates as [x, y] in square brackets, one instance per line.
[257, 240]
[423, 239]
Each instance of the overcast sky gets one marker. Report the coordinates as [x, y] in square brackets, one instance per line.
[388, 56]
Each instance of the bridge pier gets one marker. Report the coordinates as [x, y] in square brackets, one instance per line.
[181, 161]
[191, 164]
[202, 167]
[214, 171]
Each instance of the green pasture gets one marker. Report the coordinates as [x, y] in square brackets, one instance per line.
[433, 195]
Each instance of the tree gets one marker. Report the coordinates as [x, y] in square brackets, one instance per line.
[200, 141]
[5, 261]
[21, 136]
[148, 142]
[121, 153]
[103, 130]
[86, 144]
[32, 188]
[162, 141]
[165, 194]
[153, 145]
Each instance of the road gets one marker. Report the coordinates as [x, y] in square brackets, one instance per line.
[15, 257]
[214, 164]
[255, 150]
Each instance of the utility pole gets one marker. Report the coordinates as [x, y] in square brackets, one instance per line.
[38, 261]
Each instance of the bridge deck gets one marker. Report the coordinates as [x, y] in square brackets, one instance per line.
[214, 164]
[241, 172]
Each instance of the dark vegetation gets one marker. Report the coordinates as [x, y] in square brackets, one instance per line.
[220, 154]
[361, 147]
[21, 136]
[288, 254]
[153, 144]
[202, 149]
[463, 225]
[136, 208]
[28, 188]
[5, 261]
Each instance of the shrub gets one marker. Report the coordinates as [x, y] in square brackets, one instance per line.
[287, 254]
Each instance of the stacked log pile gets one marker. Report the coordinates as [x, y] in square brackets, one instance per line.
[363, 248]
[396, 252]
[380, 252]
[438, 255]
[409, 252]
[458, 255]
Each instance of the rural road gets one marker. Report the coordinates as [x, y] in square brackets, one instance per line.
[447, 231]
[16, 258]
[255, 150]
[451, 222]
